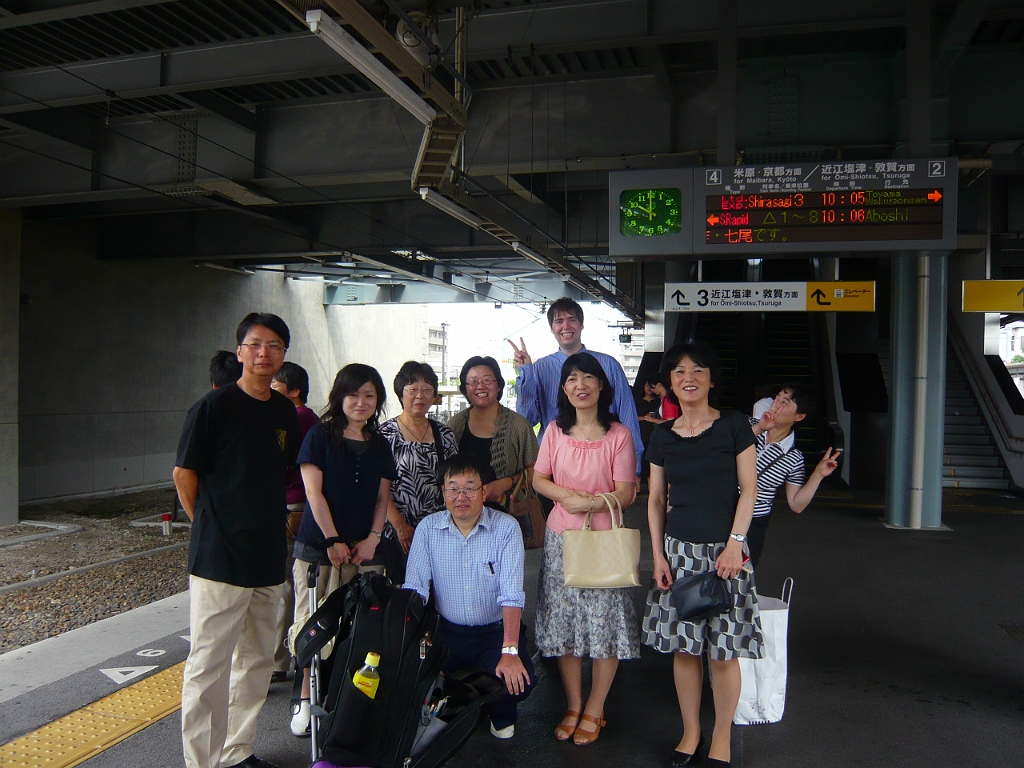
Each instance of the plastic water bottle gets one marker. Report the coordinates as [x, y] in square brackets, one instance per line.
[366, 679]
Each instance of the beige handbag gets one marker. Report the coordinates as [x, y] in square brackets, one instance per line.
[602, 559]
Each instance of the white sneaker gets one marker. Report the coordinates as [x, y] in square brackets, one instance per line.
[503, 733]
[300, 720]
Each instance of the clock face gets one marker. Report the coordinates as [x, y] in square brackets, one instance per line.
[650, 212]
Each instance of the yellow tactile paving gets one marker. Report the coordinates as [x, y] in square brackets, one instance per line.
[75, 738]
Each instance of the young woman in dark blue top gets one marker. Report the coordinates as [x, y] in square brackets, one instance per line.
[347, 469]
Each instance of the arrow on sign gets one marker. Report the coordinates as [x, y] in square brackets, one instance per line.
[679, 296]
[712, 220]
[121, 675]
[1021, 293]
[935, 196]
[818, 295]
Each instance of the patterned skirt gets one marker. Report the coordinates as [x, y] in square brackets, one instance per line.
[599, 623]
[731, 635]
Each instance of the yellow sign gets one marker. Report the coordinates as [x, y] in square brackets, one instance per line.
[842, 296]
[993, 295]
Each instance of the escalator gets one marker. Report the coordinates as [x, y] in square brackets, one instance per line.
[722, 331]
[776, 347]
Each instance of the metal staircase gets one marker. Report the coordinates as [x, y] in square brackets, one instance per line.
[970, 458]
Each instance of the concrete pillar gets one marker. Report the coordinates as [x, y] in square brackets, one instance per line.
[727, 33]
[917, 429]
[918, 337]
[10, 306]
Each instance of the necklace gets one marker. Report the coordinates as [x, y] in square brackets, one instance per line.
[586, 434]
[693, 429]
[420, 438]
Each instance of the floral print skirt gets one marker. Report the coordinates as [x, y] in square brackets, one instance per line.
[599, 623]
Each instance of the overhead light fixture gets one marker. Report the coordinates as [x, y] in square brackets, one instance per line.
[236, 192]
[324, 27]
[442, 203]
[224, 268]
[529, 253]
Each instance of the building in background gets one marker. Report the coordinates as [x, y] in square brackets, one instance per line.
[630, 351]
[1011, 350]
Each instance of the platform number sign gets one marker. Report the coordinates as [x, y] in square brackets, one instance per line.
[713, 176]
[937, 169]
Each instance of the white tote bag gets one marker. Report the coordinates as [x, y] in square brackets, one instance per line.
[763, 694]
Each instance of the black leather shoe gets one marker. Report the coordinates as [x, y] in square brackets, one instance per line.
[254, 762]
[685, 760]
[716, 763]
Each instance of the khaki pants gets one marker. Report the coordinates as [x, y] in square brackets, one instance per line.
[227, 674]
[323, 589]
[282, 657]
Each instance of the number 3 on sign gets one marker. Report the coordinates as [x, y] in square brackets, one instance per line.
[703, 300]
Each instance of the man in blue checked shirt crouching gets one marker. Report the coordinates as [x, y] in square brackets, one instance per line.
[473, 557]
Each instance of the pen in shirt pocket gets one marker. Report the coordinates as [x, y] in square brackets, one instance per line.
[491, 566]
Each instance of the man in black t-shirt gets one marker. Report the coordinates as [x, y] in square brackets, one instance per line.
[236, 445]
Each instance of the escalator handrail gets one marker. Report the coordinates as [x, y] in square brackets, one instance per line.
[1003, 431]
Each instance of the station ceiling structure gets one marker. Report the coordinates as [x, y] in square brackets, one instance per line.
[438, 150]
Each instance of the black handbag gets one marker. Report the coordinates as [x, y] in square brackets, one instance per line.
[700, 596]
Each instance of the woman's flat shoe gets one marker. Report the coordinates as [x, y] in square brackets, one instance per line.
[683, 759]
[583, 737]
[564, 732]
[716, 763]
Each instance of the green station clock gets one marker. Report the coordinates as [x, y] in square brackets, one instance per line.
[650, 212]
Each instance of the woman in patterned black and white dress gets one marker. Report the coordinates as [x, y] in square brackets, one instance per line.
[699, 522]
[419, 445]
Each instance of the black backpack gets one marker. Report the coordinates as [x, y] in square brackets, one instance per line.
[371, 614]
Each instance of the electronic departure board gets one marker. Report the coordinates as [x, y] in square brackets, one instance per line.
[826, 206]
[817, 206]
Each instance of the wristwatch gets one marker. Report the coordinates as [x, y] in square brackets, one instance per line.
[738, 537]
[378, 534]
[510, 650]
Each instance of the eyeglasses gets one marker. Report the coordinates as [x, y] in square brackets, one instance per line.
[481, 382]
[469, 493]
[256, 346]
[414, 391]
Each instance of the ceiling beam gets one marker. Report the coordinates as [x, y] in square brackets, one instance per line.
[70, 11]
[72, 128]
[221, 65]
[964, 22]
[222, 107]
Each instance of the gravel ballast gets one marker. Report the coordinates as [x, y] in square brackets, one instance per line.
[37, 612]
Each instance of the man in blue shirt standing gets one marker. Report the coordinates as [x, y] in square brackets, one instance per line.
[472, 555]
[537, 382]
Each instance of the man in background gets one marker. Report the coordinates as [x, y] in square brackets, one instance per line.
[537, 382]
[224, 369]
[292, 381]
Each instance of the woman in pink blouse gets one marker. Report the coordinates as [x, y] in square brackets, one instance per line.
[585, 451]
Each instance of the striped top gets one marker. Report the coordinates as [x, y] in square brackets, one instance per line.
[777, 463]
